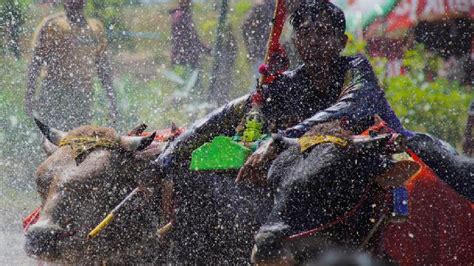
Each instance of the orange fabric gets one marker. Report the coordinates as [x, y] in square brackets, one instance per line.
[164, 134]
[440, 227]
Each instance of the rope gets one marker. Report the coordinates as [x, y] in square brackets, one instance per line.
[81, 145]
[307, 142]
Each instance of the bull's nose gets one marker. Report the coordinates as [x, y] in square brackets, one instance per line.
[42, 242]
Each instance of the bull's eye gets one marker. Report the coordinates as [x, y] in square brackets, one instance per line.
[81, 158]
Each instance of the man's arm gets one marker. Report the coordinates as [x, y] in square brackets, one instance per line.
[104, 72]
[40, 51]
[220, 122]
[33, 74]
[360, 99]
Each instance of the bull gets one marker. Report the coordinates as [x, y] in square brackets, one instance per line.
[87, 172]
[216, 219]
[330, 196]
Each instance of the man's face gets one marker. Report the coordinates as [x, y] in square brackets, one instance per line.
[317, 40]
[74, 5]
[184, 3]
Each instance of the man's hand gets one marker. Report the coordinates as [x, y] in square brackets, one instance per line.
[256, 167]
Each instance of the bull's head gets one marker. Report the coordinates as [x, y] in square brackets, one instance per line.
[88, 171]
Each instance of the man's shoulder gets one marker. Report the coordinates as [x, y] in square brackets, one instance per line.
[96, 25]
[358, 60]
[358, 69]
[57, 21]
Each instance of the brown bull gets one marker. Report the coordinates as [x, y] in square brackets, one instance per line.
[88, 171]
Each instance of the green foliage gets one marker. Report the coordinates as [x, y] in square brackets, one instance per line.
[354, 45]
[17, 137]
[109, 13]
[12, 19]
[436, 106]
[241, 8]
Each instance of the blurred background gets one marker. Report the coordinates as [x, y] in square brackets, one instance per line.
[421, 51]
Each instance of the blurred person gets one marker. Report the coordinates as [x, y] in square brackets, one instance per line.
[223, 75]
[11, 20]
[186, 46]
[256, 30]
[68, 49]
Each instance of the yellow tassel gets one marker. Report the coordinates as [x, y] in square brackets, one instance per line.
[100, 226]
[165, 229]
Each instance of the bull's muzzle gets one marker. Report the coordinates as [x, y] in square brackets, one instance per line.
[43, 242]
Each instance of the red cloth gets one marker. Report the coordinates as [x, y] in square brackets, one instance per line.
[164, 134]
[31, 219]
[440, 228]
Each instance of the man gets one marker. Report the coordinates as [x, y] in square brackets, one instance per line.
[313, 93]
[11, 20]
[69, 48]
[294, 101]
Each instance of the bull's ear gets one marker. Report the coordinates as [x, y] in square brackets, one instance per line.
[136, 143]
[52, 134]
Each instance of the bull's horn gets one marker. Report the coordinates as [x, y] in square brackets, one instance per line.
[52, 134]
[49, 147]
[284, 142]
[133, 143]
[174, 128]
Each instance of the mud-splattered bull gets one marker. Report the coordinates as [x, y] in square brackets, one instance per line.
[315, 187]
[88, 171]
[333, 196]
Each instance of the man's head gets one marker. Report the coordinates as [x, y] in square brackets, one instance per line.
[74, 5]
[184, 3]
[319, 31]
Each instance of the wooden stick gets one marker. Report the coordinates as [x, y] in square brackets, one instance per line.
[111, 215]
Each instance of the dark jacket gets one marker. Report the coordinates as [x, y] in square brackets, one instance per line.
[291, 101]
